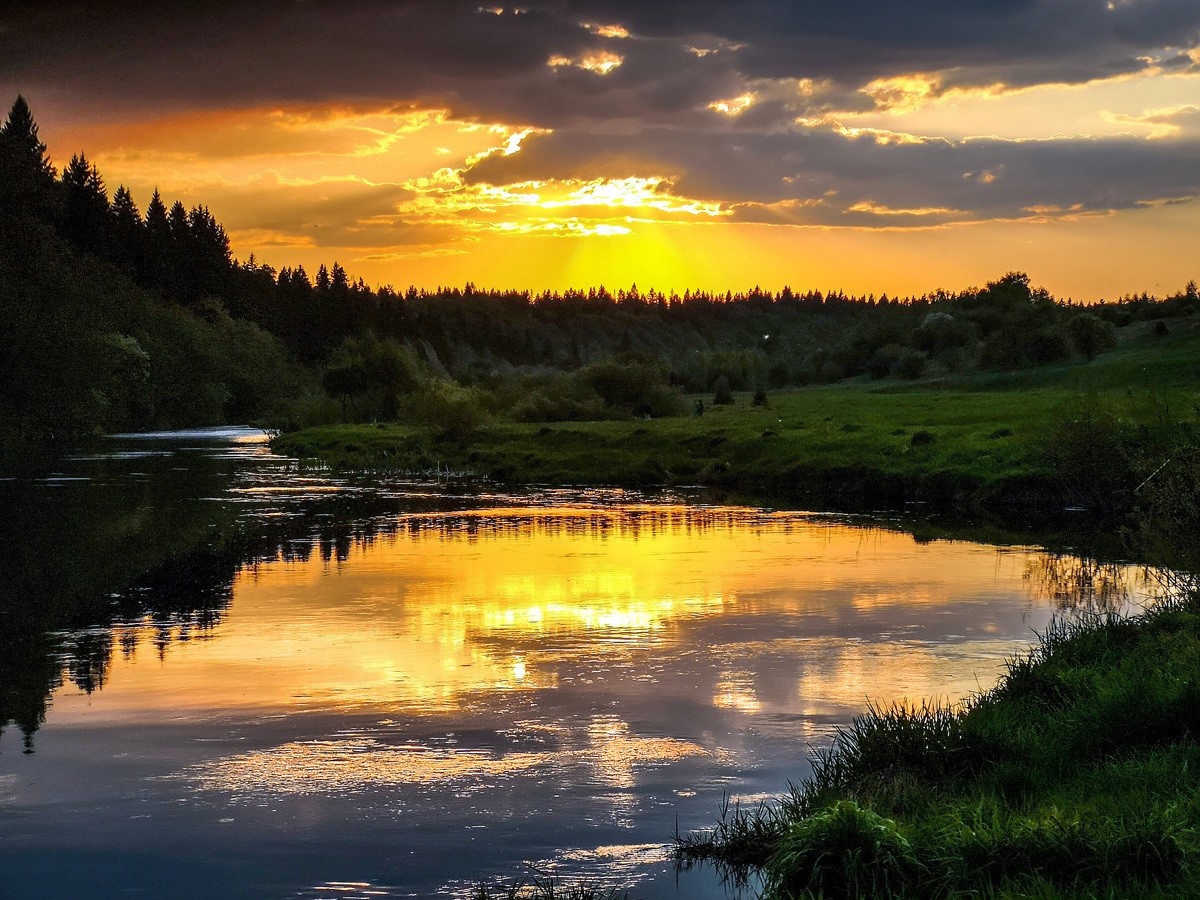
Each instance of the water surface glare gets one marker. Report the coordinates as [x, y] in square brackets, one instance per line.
[401, 688]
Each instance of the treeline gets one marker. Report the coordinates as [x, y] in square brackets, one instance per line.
[131, 319]
[111, 321]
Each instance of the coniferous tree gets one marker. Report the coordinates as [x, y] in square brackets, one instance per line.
[177, 218]
[158, 243]
[85, 219]
[26, 175]
[129, 245]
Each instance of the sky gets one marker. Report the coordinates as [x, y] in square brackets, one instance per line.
[882, 146]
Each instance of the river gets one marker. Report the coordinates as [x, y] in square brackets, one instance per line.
[226, 674]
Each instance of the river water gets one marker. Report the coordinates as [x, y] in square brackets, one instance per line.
[228, 675]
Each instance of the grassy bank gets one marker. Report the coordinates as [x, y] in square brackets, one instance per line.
[1031, 438]
[1078, 775]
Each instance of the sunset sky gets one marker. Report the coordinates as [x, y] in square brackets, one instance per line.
[879, 146]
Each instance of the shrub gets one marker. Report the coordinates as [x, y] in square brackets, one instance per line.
[843, 851]
[722, 395]
[632, 385]
[1092, 335]
[910, 365]
[454, 411]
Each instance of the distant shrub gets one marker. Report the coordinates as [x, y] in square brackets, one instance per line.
[551, 407]
[1092, 335]
[454, 411]
[922, 438]
[882, 361]
[632, 385]
[910, 365]
[722, 395]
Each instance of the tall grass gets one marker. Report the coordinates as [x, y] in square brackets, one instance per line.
[1076, 776]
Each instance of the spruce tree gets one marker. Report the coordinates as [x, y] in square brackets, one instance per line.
[129, 234]
[86, 220]
[158, 243]
[19, 137]
[26, 176]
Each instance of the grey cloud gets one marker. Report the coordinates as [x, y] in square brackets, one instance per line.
[980, 178]
[445, 52]
[648, 116]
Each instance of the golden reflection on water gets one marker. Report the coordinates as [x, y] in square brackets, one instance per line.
[443, 613]
[610, 755]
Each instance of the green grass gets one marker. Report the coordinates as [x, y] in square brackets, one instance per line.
[978, 440]
[1077, 776]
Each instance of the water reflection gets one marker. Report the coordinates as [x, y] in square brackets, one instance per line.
[271, 681]
[429, 614]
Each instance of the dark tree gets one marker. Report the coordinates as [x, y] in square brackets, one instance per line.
[26, 176]
[86, 222]
[129, 233]
[155, 267]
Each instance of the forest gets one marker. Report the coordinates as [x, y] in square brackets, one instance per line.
[119, 320]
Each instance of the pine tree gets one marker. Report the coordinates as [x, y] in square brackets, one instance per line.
[19, 136]
[158, 243]
[129, 234]
[178, 222]
[86, 221]
[26, 176]
[156, 215]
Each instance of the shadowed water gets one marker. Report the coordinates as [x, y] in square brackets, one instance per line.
[241, 678]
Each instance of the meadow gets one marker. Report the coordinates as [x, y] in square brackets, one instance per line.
[1080, 434]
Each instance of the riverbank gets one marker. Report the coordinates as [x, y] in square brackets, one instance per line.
[984, 443]
[1078, 775]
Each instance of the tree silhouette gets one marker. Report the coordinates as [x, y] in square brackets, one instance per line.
[128, 232]
[86, 221]
[26, 176]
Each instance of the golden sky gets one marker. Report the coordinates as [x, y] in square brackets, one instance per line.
[888, 147]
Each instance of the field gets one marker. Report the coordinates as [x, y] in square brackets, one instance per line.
[986, 440]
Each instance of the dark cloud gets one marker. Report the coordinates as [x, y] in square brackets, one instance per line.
[648, 115]
[818, 177]
[451, 53]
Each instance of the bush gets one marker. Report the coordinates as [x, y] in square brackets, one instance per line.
[1092, 335]
[722, 395]
[452, 410]
[843, 851]
[540, 406]
[910, 365]
[883, 360]
[632, 385]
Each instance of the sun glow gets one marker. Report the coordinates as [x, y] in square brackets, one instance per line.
[733, 106]
[599, 62]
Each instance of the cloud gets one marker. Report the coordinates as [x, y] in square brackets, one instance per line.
[1168, 122]
[674, 58]
[590, 110]
[818, 177]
